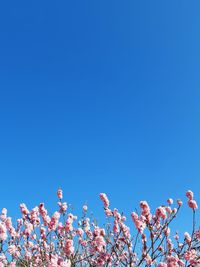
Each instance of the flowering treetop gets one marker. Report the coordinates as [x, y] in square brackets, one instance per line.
[63, 240]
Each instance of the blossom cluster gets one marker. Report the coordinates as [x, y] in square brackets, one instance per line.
[39, 239]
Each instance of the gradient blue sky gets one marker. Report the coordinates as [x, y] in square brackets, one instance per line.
[99, 96]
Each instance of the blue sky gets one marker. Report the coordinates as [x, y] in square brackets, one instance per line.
[99, 96]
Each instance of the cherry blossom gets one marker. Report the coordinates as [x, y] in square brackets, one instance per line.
[61, 239]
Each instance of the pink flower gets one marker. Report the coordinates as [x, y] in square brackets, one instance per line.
[170, 201]
[60, 193]
[24, 209]
[179, 202]
[148, 260]
[192, 204]
[181, 263]
[3, 232]
[116, 227]
[69, 247]
[139, 222]
[189, 194]
[108, 212]
[161, 212]
[145, 208]
[169, 244]
[104, 199]
[12, 249]
[187, 237]
[176, 237]
[12, 264]
[168, 209]
[162, 264]
[190, 255]
[174, 210]
[63, 207]
[3, 214]
[80, 232]
[54, 221]
[167, 231]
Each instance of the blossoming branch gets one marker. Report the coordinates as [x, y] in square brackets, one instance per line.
[63, 240]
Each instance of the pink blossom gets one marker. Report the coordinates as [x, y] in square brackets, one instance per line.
[187, 237]
[170, 201]
[190, 255]
[192, 204]
[139, 222]
[3, 214]
[60, 241]
[162, 264]
[24, 209]
[63, 207]
[148, 260]
[167, 231]
[69, 248]
[104, 199]
[179, 202]
[161, 213]
[60, 193]
[145, 208]
[190, 194]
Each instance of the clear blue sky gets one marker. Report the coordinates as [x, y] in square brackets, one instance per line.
[99, 96]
